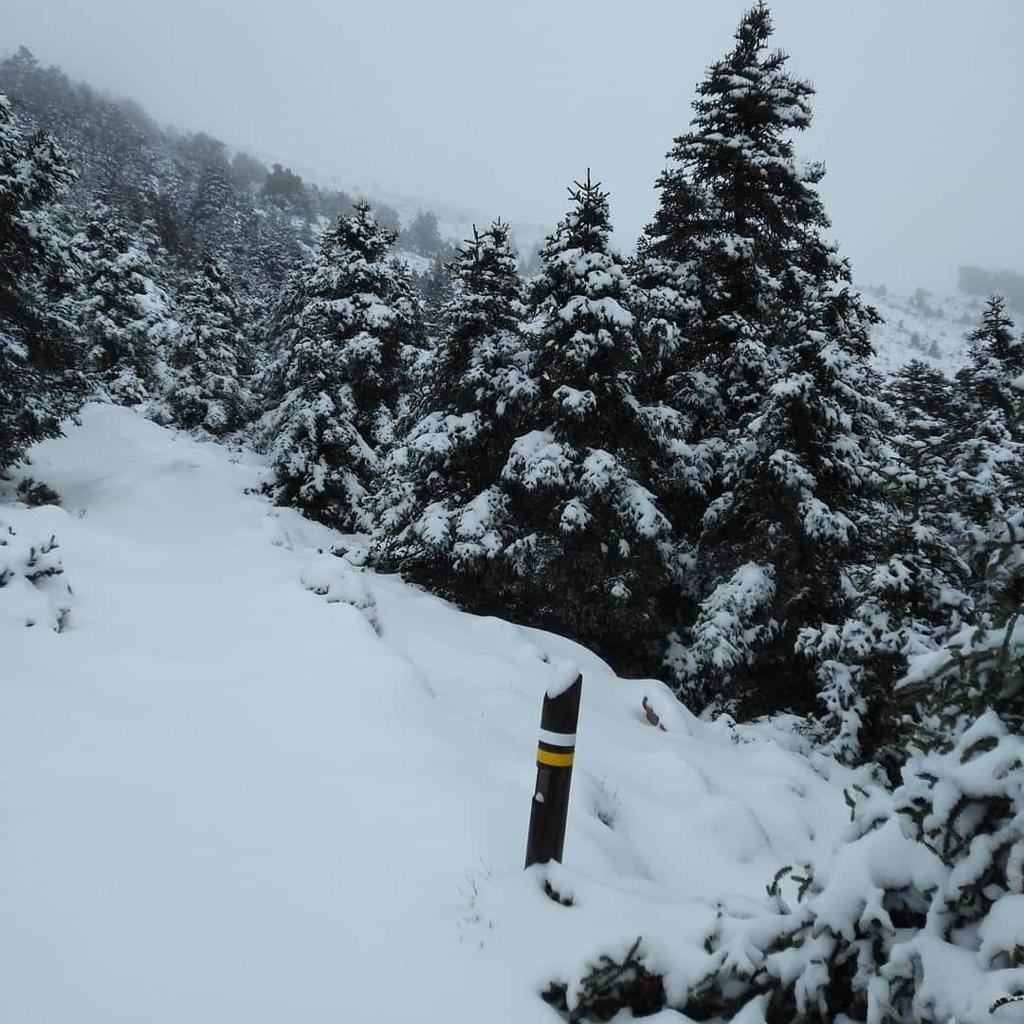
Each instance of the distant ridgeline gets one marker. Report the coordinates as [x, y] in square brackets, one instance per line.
[198, 197]
[1008, 283]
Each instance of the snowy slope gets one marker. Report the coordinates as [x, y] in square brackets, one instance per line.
[229, 798]
[925, 326]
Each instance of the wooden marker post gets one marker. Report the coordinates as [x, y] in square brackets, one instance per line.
[555, 752]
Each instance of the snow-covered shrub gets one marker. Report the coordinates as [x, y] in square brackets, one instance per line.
[34, 493]
[919, 918]
[32, 587]
[988, 460]
[609, 986]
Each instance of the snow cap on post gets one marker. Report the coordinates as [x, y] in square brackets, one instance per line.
[565, 674]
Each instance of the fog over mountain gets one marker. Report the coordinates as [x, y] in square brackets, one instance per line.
[498, 107]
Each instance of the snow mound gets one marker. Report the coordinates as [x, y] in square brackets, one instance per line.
[337, 582]
[226, 798]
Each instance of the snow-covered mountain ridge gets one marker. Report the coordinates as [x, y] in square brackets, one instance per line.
[925, 326]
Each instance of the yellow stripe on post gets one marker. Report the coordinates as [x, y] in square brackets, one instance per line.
[554, 760]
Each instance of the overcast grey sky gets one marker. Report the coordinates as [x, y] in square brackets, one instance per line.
[497, 105]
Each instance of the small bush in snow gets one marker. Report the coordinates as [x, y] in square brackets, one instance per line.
[32, 588]
[612, 984]
[33, 493]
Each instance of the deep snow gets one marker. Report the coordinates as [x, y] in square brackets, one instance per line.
[251, 783]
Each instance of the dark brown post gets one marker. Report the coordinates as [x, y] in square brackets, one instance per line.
[555, 752]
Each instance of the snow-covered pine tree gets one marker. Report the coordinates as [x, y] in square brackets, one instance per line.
[918, 592]
[736, 207]
[213, 219]
[440, 511]
[590, 553]
[994, 379]
[766, 360]
[121, 308]
[988, 466]
[805, 500]
[937, 587]
[40, 358]
[363, 298]
[346, 336]
[734, 203]
[210, 356]
[321, 462]
[436, 287]
[422, 236]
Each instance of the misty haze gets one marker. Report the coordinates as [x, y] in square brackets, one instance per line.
[511, 512]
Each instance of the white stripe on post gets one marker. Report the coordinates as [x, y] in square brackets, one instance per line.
[558, 739]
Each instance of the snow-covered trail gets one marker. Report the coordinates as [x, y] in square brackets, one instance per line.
[225, 798]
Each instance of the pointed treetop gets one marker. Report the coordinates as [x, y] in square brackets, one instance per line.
[754, 31]
[361, 233]
[751, 88]
[996, 335]
[587, 225]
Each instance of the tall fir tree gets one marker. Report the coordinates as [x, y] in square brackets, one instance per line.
[213, 219]
[734, 215]
[41, 382]
[917, 590]
[589, 553]
[938, 581]
[994, 378]
[363, 297]
[346, 337]
[210, 356]
[436, 288]
[761, 346]
[988, 465]
[440, 511]
[122, 309]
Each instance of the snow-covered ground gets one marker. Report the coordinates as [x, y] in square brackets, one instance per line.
[251, 783]
[925, 326]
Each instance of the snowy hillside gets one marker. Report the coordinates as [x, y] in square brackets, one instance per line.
[923, 326]
[252, 782]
